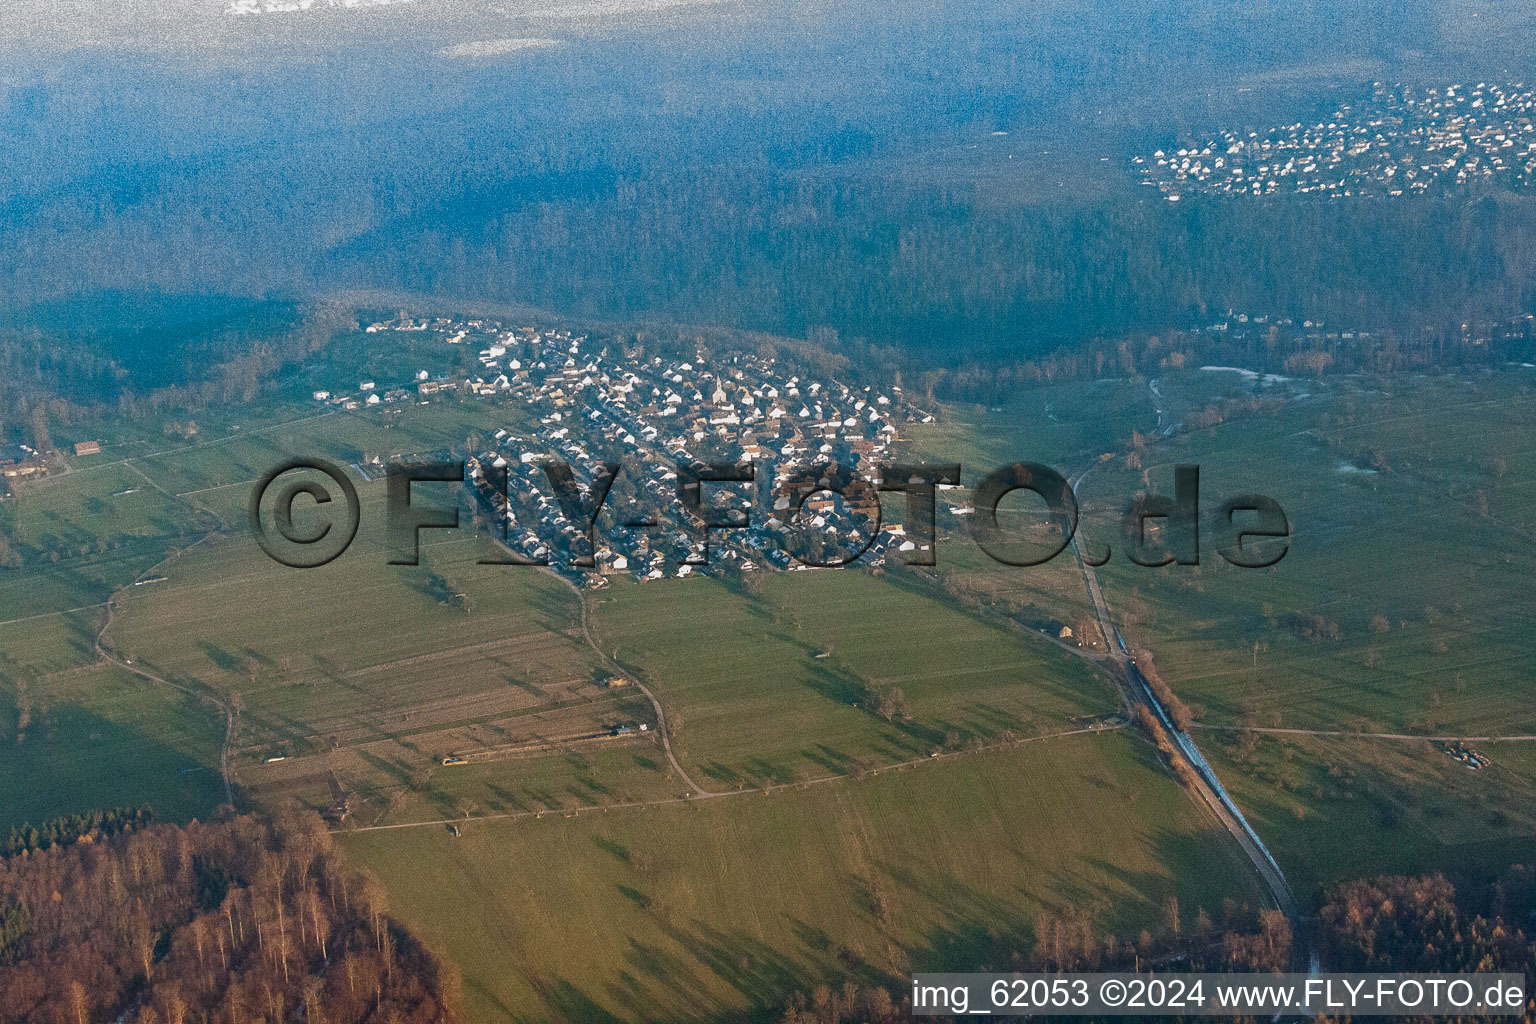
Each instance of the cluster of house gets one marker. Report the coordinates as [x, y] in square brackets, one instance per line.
[248, 7]
[653, 417]
[18, 461]
[1469, 756]
[1400, 140]
[1508, 336]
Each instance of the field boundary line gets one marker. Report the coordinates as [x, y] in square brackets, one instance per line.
[571, 812]
[1277, 731]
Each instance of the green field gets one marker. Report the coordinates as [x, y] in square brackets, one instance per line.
[169, 509]
[102, 738]
[1412, 547]
[810, 833]
[367, 675]
[1428, 594]
[722, 907]
[1343, 808]
[774, 683]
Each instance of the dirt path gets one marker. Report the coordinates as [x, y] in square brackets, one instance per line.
[573, 812]
[612, 666]
[1365, 735]
[104, 653]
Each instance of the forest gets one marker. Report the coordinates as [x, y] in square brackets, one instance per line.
[242, 920]
[1391, 924]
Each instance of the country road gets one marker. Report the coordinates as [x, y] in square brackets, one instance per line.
[661, 715]
[1350, 733]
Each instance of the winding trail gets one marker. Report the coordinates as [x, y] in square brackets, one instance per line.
[104, 652]
[614, 667]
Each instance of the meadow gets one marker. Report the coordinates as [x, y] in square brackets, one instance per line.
[721, 908]
[1401, 607]
[821, 720]
[779, 680]
[105, 738]
[1401, 603]
[870, 774]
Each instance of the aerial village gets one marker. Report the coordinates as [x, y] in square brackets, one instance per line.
[652, 416]
[1400, 140]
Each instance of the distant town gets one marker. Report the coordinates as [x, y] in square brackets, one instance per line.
[1401, 140]
[248, 7]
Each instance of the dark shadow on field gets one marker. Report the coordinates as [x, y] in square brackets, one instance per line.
[570, 1003]
[996, 718]
[224, 660]
[975, 927]
[925, 737]
[617, 849]
[838, 685]
[770, 773]
[396, 770]
[833, 760]
[83, 628]
[723, 774]
[253, 655]
[74, 760]
[284, 728]
[486, 994]
[675, 972]
[337, 674]
[657, 980]
[587, 792]
[557, 609]
[505, 797]
[521, 684]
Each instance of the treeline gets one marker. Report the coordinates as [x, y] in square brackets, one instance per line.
[1243, 940]
[1288, 350]
[240, 921]
[679, 221]
[87, 827]
[933, 269]
[1391, 924]
[1398, 923]
[1178, 712]
[76, 374]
